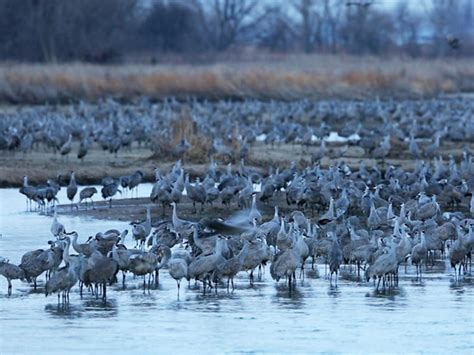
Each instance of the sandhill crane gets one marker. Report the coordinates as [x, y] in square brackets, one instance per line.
[284, 265]
[373, 221]
[259, 253]
[84, 249]
[254, 212]
[72, 189]
[28, 191]
[143, 264]
[196, 193]
[335, 258]
[33, 264]
[330, 215]
[105, 241]
[10, 272]
[230, 267]
[122, 256]
[458, 252]
[403, 249]
[418, 253]
[56, 227]
[284, 239]
[428, 210]
[66, 277]
[271, 228]
[135, 179]
[201, 267]
[66, 147]
[141, 231]
[83, 149]
[87, 193]
[181, 227]
[385, 265]
[178, 269]
[99, 270]
[109, 191]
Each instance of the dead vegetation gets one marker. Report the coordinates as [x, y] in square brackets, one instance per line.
[284, 78]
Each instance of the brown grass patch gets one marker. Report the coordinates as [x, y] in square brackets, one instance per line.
[284, 78]
[183, 128]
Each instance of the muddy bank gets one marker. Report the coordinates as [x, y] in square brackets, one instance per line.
[40, 164]
[133, 209]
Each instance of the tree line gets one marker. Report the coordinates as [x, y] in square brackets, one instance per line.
[112, 30]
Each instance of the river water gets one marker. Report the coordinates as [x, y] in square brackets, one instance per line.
[435, 315]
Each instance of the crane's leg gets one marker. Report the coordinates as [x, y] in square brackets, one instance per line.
[9, 287]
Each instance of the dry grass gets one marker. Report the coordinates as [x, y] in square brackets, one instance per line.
[183, 128]
[286, 78]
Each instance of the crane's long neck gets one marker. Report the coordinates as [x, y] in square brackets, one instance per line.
[148, 215]
[123, 235]
[175, 219]
[219, 247]
[275, 215]
[74, 241]
[66, 256]
[282, 227]
[331, 207]
[254, 202]
[25, 181]
[243, 253]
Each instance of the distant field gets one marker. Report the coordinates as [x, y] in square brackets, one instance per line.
[277, 77]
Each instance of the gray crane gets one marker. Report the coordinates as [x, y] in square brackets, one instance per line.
[135, 179]
[142, 264]
[141, 231]
[85, 248]
[457, 253]
[418, 253]
[57, 228]
[11, 272]
[335, 258]
[284, 265]
[65, 278]
[28, 191]
[109, 191]
[99, 270]
[202, 267]
[230, 267]
[72, 189]
[87, 193]
[66, 147]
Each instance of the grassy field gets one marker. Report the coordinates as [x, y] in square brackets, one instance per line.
[274, 77]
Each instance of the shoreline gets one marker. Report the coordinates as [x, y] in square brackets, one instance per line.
[40, 165]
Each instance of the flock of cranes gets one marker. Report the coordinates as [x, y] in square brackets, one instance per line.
[381, 129]
[368, 219]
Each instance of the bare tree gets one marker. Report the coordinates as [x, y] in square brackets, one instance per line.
[407, 26]
[231, 19]
[309, 27]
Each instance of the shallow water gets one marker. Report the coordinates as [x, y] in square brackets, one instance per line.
[434, 315]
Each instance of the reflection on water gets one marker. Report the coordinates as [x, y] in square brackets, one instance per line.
[432, 315]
